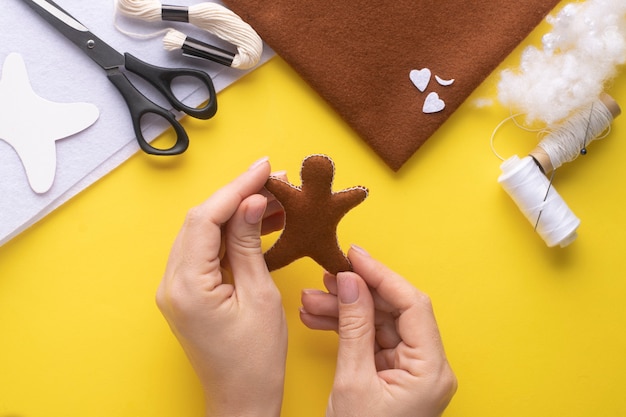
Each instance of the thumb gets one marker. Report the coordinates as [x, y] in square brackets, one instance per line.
[243, 239]
[356, 328]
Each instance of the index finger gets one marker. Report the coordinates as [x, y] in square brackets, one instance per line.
[200, 239]
[417, 326]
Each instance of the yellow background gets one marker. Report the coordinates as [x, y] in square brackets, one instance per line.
[529, 330]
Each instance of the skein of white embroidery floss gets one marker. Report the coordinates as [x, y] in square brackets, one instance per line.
[533, 193]
[213, 18]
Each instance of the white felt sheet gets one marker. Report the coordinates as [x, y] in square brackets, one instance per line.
[60, 72]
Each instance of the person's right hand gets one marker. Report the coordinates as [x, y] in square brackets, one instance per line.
[391, 360]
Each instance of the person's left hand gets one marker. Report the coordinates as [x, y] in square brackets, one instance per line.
[221, 303]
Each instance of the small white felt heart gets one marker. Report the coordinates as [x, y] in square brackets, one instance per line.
[433, 103]
[420, 78]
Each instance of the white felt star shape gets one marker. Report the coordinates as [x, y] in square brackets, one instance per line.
[32, 124]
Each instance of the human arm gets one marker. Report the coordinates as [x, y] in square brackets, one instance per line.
[391, 360]
[221, 303]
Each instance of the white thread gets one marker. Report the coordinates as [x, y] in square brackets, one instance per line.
[147, 10]
[227, 25]
[174, 40]
[128, 9]
[498, 127]
[212, 17]
[150, 35]
[565, 143]
[529, 188]
[537, 199]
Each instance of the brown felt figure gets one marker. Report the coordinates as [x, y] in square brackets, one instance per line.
[312, 214]
[359, 54]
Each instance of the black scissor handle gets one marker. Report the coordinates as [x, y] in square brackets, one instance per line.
[162, 79]
[139, 105]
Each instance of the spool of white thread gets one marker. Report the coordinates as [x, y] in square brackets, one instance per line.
[538, 200]
[570, 139]
[212, 17]
[535, 195]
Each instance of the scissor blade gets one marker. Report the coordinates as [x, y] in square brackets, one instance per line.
[94, 47]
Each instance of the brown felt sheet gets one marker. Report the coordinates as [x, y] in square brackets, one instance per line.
[358, 54]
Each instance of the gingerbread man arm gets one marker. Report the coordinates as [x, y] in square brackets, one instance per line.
[281, 189]
[278, 255]
[346, 200]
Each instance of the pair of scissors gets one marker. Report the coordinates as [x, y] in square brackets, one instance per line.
[114, 63]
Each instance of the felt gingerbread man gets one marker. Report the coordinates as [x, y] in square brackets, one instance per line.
[312, 214]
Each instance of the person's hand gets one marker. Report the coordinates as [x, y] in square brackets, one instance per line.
[221, 303]
[391, 360]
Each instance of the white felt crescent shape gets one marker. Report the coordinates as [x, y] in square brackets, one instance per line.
[443, 82]
[32, 124]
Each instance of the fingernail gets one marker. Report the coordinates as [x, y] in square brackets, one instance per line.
[258, 163]
[312, 292]
[360, 250]
[348, 288]
[254, 213]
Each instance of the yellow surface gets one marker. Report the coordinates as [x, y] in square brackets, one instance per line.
[529, 330]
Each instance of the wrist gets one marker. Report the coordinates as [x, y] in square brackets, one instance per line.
[256, 411]
[248, 406]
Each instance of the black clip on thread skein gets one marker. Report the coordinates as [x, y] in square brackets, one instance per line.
[193, 47]
[198, 49]
[175, 13]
